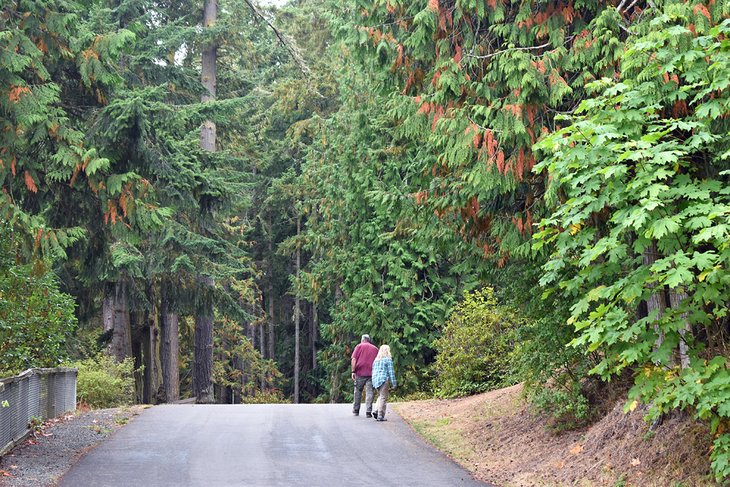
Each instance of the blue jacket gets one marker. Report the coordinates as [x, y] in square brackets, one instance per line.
[382, 371]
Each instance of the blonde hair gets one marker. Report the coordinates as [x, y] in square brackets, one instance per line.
[384, 351]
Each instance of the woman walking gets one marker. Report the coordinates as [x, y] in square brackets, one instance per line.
[383, 380]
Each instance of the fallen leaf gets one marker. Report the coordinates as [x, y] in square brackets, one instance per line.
[635, 462]
[576, 449]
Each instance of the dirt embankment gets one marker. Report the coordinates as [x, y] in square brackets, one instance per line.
[498, 438]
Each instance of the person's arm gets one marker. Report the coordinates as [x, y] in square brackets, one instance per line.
[353, 362]
[392, 374]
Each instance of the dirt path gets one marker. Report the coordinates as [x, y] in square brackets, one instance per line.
[495, 436]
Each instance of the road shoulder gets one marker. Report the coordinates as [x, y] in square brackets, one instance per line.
[42, 459]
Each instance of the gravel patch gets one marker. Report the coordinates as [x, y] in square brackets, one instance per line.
[41, 460]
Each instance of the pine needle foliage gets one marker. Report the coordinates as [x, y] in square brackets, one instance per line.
[366, 234]
[475, 84]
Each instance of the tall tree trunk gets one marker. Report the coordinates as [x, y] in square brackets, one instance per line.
[107, 311]
[675, 299]
[155, 377]
[121, 344]
[209, 75]
[251, 335]
[169, 350]
[144, 336]
[272, 343]
[656, 301]
[262, 348]
[262, 339]
[203, 349]
[297, 316]
[314, 330]
[335, 375]
[139, 340]
[313, 334]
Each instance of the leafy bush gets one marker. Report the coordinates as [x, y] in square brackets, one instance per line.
[273, 396]
[640, 228]
[554, 374]
[35, 316]
[474, 349]
[104, 383]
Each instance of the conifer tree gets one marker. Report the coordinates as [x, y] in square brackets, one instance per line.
[203, 367]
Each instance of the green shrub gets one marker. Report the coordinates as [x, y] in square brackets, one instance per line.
[273, 396]
[35, 316]
[474, 349]
[104, 383]
[555, 375]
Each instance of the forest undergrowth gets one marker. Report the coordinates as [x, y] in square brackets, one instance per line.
[502, 440]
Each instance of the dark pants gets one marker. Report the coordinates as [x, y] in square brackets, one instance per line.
[367, 383]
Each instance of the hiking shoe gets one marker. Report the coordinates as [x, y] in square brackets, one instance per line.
[375, 415]
[356, 413]
[368, 415]
[382, 419]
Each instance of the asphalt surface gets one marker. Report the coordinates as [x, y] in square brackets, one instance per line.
[264, 445]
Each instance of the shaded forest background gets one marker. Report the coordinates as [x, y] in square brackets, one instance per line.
[226, 196]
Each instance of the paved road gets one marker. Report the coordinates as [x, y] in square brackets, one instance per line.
[264, 445]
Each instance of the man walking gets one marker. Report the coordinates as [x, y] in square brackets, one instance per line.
[362, 374]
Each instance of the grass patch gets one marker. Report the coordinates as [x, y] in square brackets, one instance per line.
[444, 436]
[121, 420]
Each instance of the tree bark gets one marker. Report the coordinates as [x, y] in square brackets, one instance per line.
[313, 334]
[107, 309]
[152, 324]
[209, 74]
[272, 343]
[138, 352]
[297, 317]
[262, 349]
[169, 350]
[121, 344]
[336, 370]
[675, 299]
[144, 337]
[203, 349]
[656, 301]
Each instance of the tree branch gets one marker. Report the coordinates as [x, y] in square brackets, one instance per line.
[288, 43]
[527, 48]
